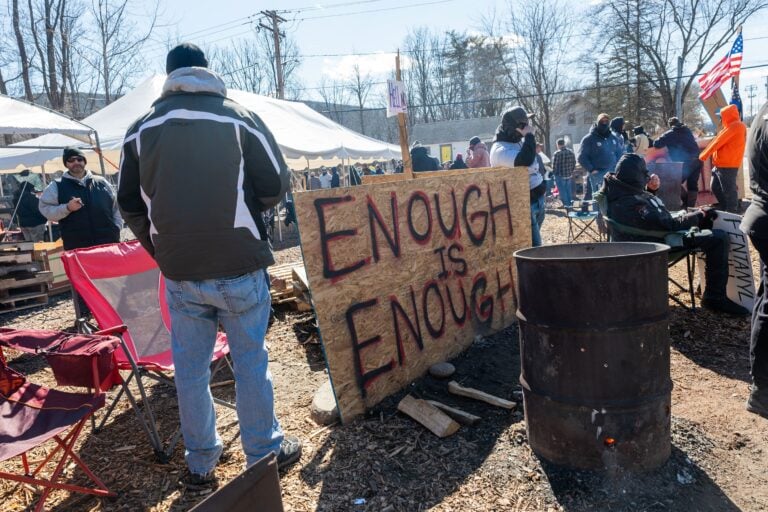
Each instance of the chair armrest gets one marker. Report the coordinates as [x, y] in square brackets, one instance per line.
[116, 330]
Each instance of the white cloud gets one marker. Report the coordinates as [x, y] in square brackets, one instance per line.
[376, 65]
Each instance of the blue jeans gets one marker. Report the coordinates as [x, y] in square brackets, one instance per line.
[596, 180]
[242, 305]
[537, 219]
[565, 189]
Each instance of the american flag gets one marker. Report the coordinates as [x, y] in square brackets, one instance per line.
[728, 67]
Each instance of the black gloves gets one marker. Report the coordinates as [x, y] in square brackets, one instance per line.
[709, 215]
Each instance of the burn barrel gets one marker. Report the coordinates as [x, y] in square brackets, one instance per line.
[594, 351]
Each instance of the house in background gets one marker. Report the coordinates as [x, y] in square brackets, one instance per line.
[574, 122]
[446, 139]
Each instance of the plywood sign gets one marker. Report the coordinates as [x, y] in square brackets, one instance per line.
[405, 274]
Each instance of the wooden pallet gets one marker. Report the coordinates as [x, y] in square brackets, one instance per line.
[14, 282]
[15, 299]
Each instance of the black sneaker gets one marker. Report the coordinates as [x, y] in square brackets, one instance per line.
[725, 305]
[290, 452]
[198, 482]
[758, 401]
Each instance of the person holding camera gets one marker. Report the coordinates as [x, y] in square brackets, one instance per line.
[515, 146]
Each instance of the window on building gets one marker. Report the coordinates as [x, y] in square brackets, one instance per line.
[571, 118]
[587, 117]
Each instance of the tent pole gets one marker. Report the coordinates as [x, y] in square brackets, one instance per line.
[1, 186]
[98, 152]
[48, 224]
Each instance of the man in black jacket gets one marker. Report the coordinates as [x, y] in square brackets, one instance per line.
[420, 159]
[197, 171]
[83, 204]
[629, 204]
[681, 147]
[755, 224]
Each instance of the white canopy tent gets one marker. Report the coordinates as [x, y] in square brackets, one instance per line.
[303, 134]
[21, 117]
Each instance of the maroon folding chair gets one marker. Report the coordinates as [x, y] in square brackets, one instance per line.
[33, 414]
[122, 285]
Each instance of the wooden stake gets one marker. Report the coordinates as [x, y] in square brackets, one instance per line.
[428, 415]
[456, 389]
[403, 125]
[462, 417]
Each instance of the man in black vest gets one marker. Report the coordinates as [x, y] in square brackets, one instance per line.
[83, 204]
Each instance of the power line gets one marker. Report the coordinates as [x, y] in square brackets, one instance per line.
[338, 15]
[525, 96]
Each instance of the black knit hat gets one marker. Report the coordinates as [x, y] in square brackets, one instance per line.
[70, 152]
[474, 140]
[185, 55]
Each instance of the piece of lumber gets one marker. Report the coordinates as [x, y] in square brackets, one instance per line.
[300, 276]
[435, 420]
[462, 417]
[15, 257]
[17, 246]
[40, 277]
[457, 389]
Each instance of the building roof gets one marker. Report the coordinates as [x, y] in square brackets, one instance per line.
[455, 130]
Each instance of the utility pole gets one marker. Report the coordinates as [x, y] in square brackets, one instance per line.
[275, 29]
[751, 93]
[766, 88]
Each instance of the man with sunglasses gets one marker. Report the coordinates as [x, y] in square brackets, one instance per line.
[83, 204]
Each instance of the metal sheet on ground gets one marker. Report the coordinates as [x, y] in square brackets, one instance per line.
[406, 274]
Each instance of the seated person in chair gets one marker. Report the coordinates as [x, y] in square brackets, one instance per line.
[629, 204]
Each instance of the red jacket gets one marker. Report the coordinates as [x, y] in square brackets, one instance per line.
[727, 148]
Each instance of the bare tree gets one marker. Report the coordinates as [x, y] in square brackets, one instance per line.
[663, 30]
[289, 52]
[24, 60]
[116, 54]
[419, 46]
[359, 85]
[335, 95]
[242, 64]
[534, 59]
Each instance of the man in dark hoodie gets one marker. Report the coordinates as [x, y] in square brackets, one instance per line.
[420, 159]
[629, 204]
[755, 224]
[599, 152]
[617, 128]
[681, 147]
[197, 171]
[30, 220]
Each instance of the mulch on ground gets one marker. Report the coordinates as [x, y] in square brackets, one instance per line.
[388, 462]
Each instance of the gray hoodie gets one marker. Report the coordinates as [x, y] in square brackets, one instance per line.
[196, 172]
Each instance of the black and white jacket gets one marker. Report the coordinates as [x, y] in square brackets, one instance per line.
[195, 173]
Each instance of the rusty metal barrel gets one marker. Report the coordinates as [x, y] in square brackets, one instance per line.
[594, 351]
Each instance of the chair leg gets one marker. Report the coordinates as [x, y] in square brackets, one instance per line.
[690, 261]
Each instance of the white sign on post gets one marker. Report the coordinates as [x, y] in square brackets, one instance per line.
[741, 282]
[396, 98]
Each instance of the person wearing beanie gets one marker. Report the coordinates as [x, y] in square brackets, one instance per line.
[83, 204]
[477, 154]
[598, 153]
[515, 146]
[631, 207]
[193, 193]
[727, 152]
[682, 147]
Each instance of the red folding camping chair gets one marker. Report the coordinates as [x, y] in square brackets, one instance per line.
[33, 414]
[121, 284]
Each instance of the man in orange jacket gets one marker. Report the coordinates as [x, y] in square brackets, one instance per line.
[727, 152]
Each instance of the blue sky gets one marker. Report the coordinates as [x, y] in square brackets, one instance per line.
[342, 27]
